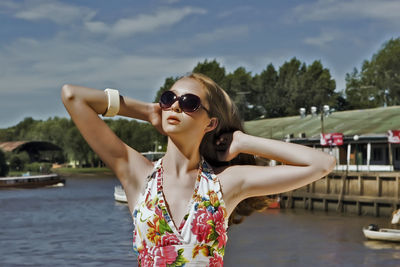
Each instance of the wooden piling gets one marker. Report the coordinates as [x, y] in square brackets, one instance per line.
[375, 194]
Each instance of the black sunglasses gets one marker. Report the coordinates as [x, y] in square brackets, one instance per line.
[187, 102]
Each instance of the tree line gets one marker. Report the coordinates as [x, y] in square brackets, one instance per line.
[272, 93]
[63, 132]
[378, 82]
[275, 92]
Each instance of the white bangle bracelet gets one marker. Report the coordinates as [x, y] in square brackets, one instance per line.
[113, 102]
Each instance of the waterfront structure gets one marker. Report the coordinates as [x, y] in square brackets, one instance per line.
[366, 177]
[367, 152]
[365, 136]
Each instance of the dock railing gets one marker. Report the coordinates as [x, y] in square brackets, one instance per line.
[362, 193]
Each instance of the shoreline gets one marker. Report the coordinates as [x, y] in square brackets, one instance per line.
[87, 172]
[67, 171]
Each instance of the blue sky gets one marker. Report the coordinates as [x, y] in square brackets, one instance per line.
[135, 45]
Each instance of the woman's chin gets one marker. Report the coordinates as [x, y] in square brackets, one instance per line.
[172, 129]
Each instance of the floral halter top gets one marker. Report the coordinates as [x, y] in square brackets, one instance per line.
[201, 237]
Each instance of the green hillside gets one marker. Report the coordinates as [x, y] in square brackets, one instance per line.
[361, 122]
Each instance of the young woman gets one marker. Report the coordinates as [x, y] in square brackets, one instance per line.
[182, 209]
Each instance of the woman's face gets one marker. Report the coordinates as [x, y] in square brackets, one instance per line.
[174, 120]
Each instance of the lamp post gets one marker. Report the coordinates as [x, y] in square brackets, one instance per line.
[322, 122]
[355, 138]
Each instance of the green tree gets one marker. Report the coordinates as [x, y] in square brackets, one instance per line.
[22, 129]
[358, 95]
[318, 88]
[378, 83]
[213, 70]
[239, 88]
[287, 85]
[77, 147]
[385, 71]
[139, 135]
[268, 94]
[6, 135]
[18, 161]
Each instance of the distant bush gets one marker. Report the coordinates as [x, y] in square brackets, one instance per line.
[41, 167]
[17, 161]
[3, 164]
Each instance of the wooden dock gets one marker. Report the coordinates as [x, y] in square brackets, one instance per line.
[362, 193]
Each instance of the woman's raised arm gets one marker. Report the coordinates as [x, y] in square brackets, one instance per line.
[303, 166]
[84, 105]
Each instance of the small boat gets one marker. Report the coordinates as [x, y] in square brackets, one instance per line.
[373, 232]
[384, 234]
[119, 194]
[31, 181]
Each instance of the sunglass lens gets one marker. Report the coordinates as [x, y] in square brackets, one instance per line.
[189, 102]
[167, 99]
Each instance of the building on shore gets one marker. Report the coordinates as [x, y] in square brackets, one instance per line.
[43, 152]
[366, 179]
[368, 152]
[365, 145]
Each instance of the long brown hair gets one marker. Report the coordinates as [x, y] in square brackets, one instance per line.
[223, 108]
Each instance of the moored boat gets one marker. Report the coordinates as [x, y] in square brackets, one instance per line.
[31, 181]
[119, 194]
[383, 234]
[373, 232]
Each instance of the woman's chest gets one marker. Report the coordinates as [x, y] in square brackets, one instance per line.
[178, 197]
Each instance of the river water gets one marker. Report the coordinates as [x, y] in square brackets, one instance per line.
[80, 224]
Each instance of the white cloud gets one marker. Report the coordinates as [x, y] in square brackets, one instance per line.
[46, 65]
[222, 33]
[192, 43]
[8, 5]
[322, 10]
[55, 11]
[234, 11]
[171, 1]
[323, 39]
[143, 23]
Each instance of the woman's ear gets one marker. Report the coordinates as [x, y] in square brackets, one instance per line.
[212, 125]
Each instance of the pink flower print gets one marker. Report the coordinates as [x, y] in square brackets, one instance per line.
[202, 225]
[216, 261]
[169, 239]
[219, 220]
[164, 255]
[145, 258]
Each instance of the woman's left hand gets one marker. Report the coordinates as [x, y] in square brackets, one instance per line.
[227, 146]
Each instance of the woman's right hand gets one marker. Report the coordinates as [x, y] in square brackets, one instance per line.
[155, 117]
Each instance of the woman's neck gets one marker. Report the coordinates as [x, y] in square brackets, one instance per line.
[181, 157]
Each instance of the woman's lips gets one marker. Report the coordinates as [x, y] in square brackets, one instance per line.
[173, 120]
